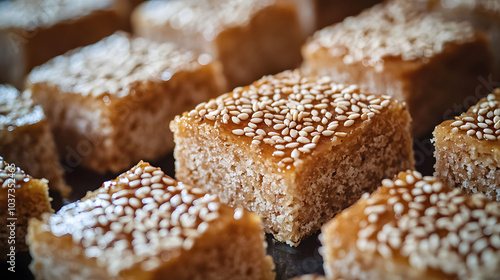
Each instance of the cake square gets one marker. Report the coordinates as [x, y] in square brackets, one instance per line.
[250, 38]
[145, 225]
[26, 139]
[467, 149]
[414, 227]
[109, 104]
[482, 14]
[428, 62]
[294, 149]
[32, 32]
[22, 197]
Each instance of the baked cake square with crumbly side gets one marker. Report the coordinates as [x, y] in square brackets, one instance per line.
[145, 225]
[110, 103]
[22, 197]
[414, 227]
[428, 62]
[32, 32]
[468, 149]
[26, 139]
[294, 149]
[250, 38]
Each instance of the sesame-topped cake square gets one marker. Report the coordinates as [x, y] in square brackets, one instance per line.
[250, 38]
[34, 31]
[482, 14]
[468, 148]
[145, 225]
[109, 104]
[414, 227]
[26, 139]
[429, 62]
[294, 149]
[22, 197]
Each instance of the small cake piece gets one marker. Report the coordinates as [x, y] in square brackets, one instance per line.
[414, 228]
[468, 149]
[294, 149]
[250, 38]
[145, 225]
[34, 31]
[26, 139]
[329, 12]
[483, 14]
[22, 198]
[428, 62]
[111, 103]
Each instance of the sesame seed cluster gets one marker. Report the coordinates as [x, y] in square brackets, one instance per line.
[291, 113]
[207, 18]
[432, 225]
[34, 13]
[482, 121]
[113, 65]
[143, 216]
[17, 109]
[394, 29]
[9, 174]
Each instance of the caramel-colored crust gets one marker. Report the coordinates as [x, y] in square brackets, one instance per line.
[415, 228]
[430, 82]
[28, 30]
[286, 117]
[154, 223]
[329, 12]
[26, 139]
[30, 198]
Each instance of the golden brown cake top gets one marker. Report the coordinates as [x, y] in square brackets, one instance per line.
[481, 121]
[31, 14]
[140, 218]
[11, 174]
[288, 115]
[430, 226]
[390, 30]
[17, 109]
[205, 17]
[114, 64]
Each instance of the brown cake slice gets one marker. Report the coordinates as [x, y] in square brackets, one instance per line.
[294, 149]
[428, 62]
[145, 225]
[468, 149]
[250, 38]
[22, 197]
[26, 139]
[482, 14]
[34, 31]
[109, 104]
[414, 227]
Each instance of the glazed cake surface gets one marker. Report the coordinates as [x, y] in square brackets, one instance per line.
[160, 228]
[414, 227]
[26, 139]
[290, 148]
[28, 30]
[115, 98]
[468, 149]
[250, 38]
[30, 198]
[395, 49]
